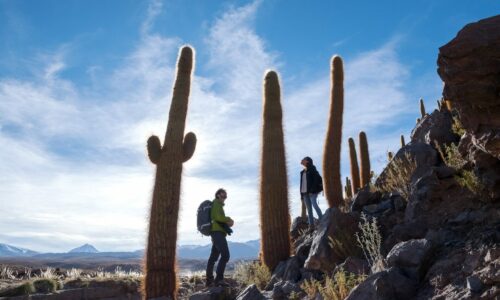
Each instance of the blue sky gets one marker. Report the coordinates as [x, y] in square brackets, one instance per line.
[83, 84]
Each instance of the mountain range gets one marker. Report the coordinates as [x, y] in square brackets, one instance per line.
[246, 250]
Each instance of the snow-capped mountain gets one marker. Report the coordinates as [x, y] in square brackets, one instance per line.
[11, 251]
[87, 248]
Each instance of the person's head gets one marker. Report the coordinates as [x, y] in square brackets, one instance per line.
[306, 161]
[221, 194]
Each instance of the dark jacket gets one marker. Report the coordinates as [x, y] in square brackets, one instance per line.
[314, 180]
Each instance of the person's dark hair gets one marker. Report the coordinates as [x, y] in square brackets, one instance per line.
[221, 190]
[309, 160]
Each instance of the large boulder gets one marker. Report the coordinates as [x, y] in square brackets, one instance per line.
[435, 128]
[470, 68]
[411, 256]
[389, 284]
[334, 240]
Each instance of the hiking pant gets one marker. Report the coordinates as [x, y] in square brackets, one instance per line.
[219, 248]
[310, 200]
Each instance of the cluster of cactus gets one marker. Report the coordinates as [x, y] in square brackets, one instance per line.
[274, 207]
[160, 264]
[331, 152]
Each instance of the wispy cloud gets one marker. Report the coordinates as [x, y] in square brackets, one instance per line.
[76, 170]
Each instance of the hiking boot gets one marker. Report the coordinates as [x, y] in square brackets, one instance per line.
[221, 283]
[209, 282]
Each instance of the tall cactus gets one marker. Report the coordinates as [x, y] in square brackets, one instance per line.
[422, 108]
[364, 156]
[274, 209]
[160, 267]
[333, 140]
[402, 141]
[354, 166]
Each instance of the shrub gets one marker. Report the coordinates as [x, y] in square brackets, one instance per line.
[398, 176]
[370, 240]
[252, 273]
[465, 178]
[45, 285]
[23, 289]
[311, 287]
[6, 273]
[339, 285]
[457, 127]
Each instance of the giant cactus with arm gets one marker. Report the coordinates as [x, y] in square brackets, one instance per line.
[160, 270]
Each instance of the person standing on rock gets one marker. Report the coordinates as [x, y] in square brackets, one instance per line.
[311, 184]
[220, 228]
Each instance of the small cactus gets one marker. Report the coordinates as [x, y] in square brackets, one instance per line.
[422, 108]
[365, 159]
[354, 166]
[160, 280]
[418, 120]
[389, 155]
[333, 140]
[402, 141]
[348, 188]
[274, 208]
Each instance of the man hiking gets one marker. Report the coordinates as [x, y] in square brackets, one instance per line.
[220, 228]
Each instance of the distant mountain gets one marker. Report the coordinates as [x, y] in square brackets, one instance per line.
[247, 250]
[11, 251]
[84, 249]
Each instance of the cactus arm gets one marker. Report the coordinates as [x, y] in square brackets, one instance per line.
[154, 149]
[188, 146]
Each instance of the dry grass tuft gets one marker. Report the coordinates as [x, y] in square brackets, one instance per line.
[370, 241]
[252, 273]
[398, 176]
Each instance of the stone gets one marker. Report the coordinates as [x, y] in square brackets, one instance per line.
[250, 293]
[411, 257]
[341, 227]
[435, 128]
[470, 69]
[213, 293]
[474, 284]
[364, 197]
[389, 284]
[354, 265]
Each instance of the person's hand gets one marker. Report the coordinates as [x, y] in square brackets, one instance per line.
[230, 222]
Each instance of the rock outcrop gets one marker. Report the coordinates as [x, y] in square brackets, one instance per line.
[470, 68]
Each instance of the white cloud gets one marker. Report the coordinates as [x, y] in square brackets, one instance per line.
[100, 193]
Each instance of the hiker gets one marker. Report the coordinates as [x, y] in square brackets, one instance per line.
[220, 228]
[311, 184]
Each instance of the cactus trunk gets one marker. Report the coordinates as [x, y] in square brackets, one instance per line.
[274, 208]
[364, 156]
[402, 141]
[354, 166]
[422, 108]
[333, 140]
[160, 264]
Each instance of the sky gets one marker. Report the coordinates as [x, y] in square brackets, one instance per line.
[83, 84]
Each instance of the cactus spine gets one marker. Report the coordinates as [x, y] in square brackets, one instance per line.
[160, 270]
[354, 166]
[422, 108]
[274, 209]
[333, 140]
[364, 156]
[402, 141]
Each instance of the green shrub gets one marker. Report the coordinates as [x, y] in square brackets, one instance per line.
[457, 127]
[23, 289]
[339, 285]
[45, 286]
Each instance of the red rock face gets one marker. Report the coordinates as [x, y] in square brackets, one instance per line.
[470, 68]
